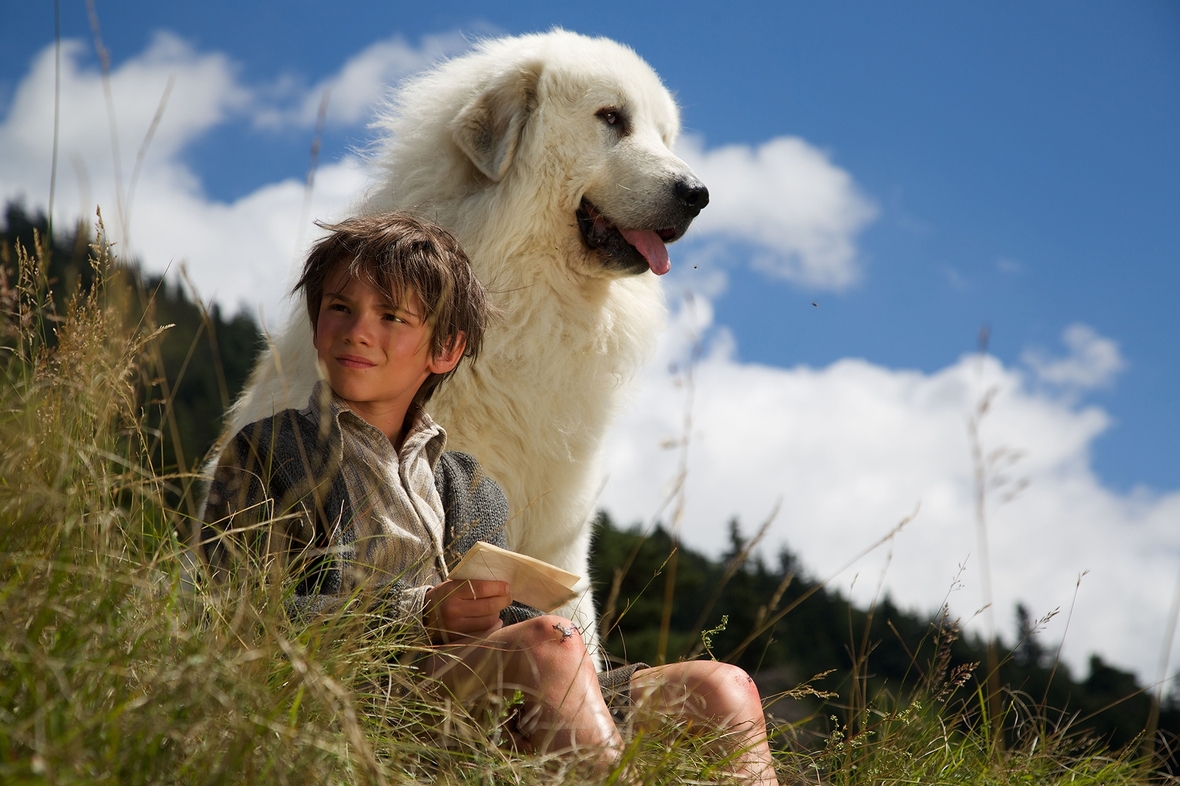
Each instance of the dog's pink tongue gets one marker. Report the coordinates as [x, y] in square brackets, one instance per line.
[653, 249]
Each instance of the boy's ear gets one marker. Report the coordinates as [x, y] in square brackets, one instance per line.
[449, 357]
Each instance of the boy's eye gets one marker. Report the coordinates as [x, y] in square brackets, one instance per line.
[393, 318]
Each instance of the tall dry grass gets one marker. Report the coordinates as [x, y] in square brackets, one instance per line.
[106, 672]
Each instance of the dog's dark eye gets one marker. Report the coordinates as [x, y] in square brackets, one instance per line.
[615, 118]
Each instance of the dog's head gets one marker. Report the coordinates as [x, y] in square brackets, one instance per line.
[584, 128]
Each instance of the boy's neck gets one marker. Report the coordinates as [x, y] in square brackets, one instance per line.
[391, 420]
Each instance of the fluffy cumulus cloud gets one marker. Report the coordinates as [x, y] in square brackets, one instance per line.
[1093, 361]
[202, 92]
[846, 452]
[786, 198]
[361, 86]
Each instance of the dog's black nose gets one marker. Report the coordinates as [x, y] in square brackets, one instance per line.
[693, 195]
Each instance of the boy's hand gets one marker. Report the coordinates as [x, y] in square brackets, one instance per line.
[465, 608]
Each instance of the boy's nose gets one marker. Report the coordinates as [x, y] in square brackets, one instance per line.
[359, 331]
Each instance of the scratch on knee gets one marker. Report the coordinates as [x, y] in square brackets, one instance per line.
[565, 630]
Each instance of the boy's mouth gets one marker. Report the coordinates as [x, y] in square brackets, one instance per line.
[354, 361]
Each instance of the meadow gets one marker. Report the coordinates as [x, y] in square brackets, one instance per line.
[119, 664]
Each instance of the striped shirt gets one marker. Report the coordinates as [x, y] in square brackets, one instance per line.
[397, 528]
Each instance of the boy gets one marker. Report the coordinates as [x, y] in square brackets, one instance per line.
[358, 500]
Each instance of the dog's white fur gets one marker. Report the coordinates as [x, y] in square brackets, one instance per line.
[500, 146]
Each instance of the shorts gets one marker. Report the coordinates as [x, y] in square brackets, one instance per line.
[616, 690]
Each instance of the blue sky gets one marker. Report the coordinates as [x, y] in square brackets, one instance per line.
[1014, 164]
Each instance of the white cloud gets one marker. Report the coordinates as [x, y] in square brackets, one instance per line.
[236, 252]
[1092, 362]
[1009, 265]
[241, 252]
[851, 449]
[363, 82]
[204, 93]
[786, 197]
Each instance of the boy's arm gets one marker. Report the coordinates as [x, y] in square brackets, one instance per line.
[261, 512]
[238, 507]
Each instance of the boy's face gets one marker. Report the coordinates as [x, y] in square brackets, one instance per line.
[376, 354]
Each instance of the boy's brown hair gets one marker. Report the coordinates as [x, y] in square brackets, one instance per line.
[397, 253]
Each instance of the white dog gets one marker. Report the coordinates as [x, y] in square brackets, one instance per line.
[549, 156]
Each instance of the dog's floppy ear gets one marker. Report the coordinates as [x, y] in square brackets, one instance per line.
[489, 127]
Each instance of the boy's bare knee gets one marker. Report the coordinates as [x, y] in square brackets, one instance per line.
[552, 647]
[551, 629]
[731, 693]
[726, 676]
[703, 689]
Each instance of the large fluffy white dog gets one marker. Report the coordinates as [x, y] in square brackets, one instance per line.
[549, 156]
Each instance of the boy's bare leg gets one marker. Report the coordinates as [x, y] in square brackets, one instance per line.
[546, 660]
[718, 696]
